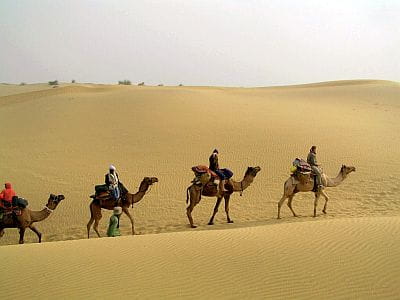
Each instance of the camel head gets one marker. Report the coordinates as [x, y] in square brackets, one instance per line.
[252, 171]
[146, 182]
[54, 200]
[150, 180]
[345, 170]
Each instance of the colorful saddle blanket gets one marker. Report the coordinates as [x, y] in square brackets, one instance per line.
[302, 165]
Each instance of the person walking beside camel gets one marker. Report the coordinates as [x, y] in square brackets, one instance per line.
[312, 160]
[113, 227]
[214, 166]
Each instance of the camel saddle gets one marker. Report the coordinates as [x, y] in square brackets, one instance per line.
[14, 211]
[302, 177]
[211, 188]
[103, 192]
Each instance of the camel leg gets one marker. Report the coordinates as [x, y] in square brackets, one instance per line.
[317, 195]
[1, 232]
[96, 224]
[290, 205]
[89, 225]
[189, 210]
[211, 222]
[39, 235]
[126, 211]
[280, 205]
[95, 214]
[21, 235]
[194, 198]
[227, 197]
[326, 201]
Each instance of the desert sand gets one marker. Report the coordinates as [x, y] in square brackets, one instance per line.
[62, 140]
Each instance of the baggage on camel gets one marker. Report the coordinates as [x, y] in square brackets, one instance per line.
[103, 191]
[205, 177]
[302, 172]
[19, 202]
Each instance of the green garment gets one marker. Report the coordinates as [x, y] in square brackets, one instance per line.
[113, 229]
[312, 159]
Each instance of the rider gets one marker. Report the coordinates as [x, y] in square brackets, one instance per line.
[6, 195]
[214, 166]
[312, 160]
[112, 182]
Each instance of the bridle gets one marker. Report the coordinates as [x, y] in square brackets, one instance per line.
[49, 210]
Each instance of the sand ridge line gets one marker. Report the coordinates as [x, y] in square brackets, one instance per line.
[61, 90]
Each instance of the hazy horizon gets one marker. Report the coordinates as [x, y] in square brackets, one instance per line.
[223, 43]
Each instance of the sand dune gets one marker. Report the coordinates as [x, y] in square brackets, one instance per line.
[62, 140]
[355, 258]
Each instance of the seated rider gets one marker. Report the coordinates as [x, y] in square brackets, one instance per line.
[6, 196]
[214, 166]
[312, 160]
[112, 181]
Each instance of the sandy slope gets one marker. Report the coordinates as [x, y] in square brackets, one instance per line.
[61, 140]
[348, 258]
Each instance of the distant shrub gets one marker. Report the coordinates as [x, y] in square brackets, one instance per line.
[55, 82]
[73, 81]
[141, 83]
[22, 83]
[124, 82]
[160, 84]
[180, 84]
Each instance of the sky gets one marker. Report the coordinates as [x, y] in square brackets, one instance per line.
[199, 42]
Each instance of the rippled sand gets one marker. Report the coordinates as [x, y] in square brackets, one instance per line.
[61, 140]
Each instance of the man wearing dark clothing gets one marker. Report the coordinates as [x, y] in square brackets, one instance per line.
[214, 166]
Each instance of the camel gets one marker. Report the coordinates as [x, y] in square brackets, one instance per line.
[194, 193]
[127, 199]
[28, 217]
[291, 188]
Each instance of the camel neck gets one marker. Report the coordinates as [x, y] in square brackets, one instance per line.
[242, 185]
[140, 194]
[40, 215]
[332, 182]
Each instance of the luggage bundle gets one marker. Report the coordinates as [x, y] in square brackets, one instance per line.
[19, 202]
[300, 166]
